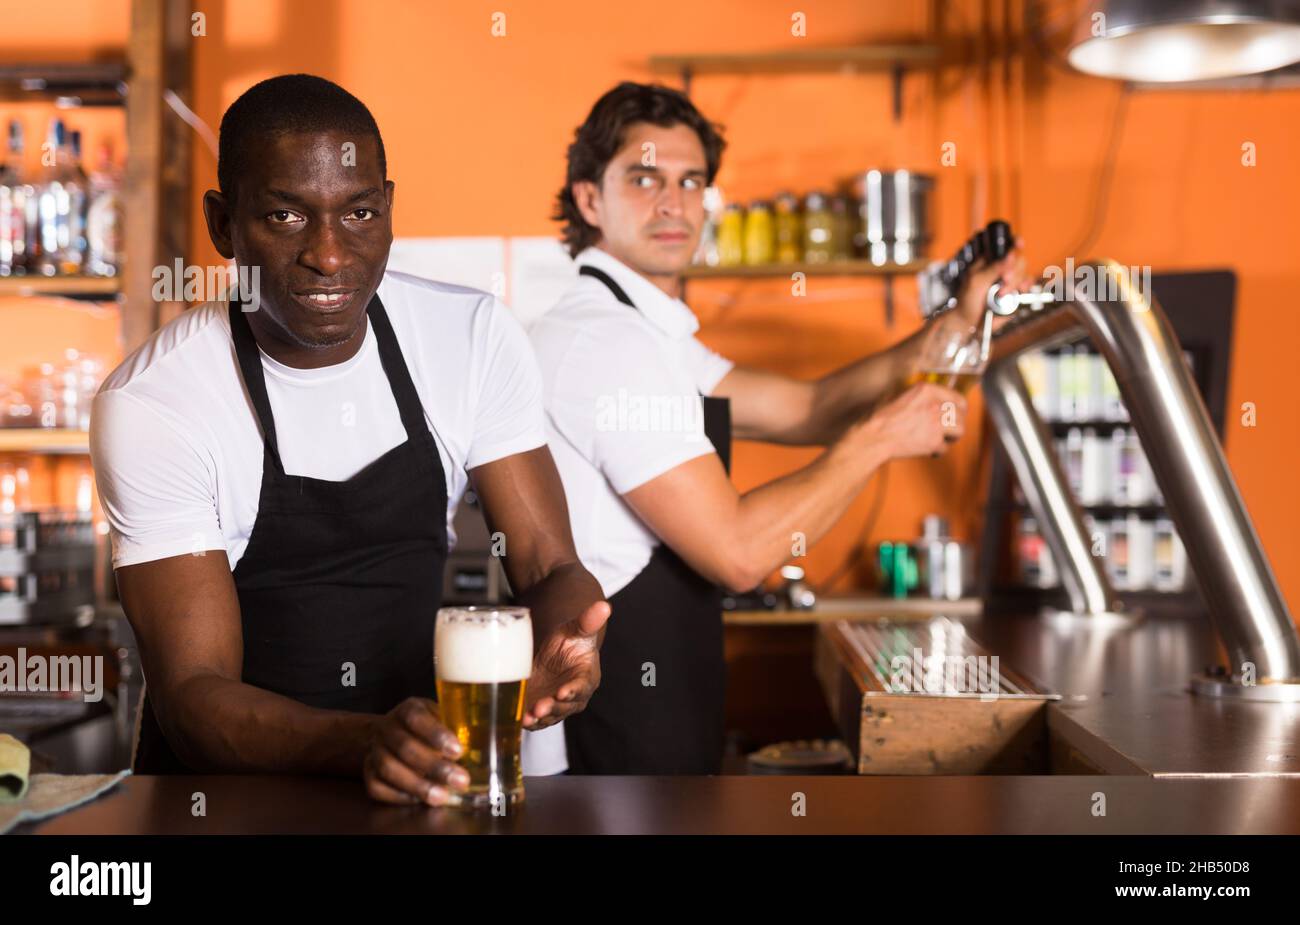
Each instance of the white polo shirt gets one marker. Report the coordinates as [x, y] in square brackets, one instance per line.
[622, 390]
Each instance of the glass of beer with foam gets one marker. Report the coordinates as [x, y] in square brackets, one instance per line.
[483, 656]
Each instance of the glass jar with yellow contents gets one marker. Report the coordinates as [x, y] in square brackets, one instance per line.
[818, 234]
[760, 234]
[788, 229]
[731, 236]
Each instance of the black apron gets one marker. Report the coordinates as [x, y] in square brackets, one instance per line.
[668, 617]
[337, 572]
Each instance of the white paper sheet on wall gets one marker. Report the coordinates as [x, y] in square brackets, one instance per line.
[540, 272]
[527, 273]
[476, 262]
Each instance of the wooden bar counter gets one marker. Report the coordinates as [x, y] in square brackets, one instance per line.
[732, 805]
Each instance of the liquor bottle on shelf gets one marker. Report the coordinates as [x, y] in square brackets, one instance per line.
[79, 191]
[61, 196]
[104, 218]
[15, 192]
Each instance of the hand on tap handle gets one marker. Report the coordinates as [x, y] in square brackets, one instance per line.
[990, 260]
[998, 264]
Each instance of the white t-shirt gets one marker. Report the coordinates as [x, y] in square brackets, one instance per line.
[176, 446]
[622, 392]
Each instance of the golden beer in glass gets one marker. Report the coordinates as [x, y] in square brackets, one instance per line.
[950, 356]
[482, 659]
[958, 381]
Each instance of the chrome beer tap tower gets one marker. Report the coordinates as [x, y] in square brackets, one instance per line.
[1135, 338]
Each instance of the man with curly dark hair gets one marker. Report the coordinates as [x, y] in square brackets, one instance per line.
[640, 416]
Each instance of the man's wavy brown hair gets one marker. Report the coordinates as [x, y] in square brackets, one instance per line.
[604, 132]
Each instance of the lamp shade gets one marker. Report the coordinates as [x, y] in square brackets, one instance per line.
[1174, 41]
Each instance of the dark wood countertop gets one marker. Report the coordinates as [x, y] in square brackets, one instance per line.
[735, 805]
[1176, 764]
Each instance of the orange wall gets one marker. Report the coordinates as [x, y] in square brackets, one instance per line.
[476, 128]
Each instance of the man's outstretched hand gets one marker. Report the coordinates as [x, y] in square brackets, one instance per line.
[566, 668]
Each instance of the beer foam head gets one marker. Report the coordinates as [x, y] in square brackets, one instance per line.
[482, 646]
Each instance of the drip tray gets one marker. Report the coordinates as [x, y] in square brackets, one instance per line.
[923, 697]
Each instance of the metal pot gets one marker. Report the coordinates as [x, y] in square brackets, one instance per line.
[893, 224]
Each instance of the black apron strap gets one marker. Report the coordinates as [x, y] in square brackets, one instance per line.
[586, 270]
[717, 427]
[398, 373]
[390, 356]
[717, 411]
[250, 365]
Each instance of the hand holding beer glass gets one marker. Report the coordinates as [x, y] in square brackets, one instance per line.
[483, 657]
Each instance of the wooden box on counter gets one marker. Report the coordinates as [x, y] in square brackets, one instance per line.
[985, 719]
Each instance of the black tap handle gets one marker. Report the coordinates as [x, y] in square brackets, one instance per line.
[998, 240]
[991, 243]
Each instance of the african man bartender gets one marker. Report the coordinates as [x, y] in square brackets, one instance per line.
[655, 516]
[280, 482]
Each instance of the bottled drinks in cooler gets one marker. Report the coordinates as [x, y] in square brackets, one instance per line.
[1037, 568]
[1169, 571]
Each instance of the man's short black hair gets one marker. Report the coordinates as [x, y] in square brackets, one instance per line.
[600, 137]
[282, 105]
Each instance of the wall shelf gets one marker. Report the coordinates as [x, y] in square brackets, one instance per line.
[94, 288]
[96, 84]
[833, 268]
[155, 185]
[846, 59]
[893, 59]
[45, 440]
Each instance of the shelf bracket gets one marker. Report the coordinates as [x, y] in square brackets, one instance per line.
[897, 81]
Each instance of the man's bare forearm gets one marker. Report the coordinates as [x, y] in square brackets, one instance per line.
[851, 392]
[221, 725]
[567, 590]
[806, 502]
